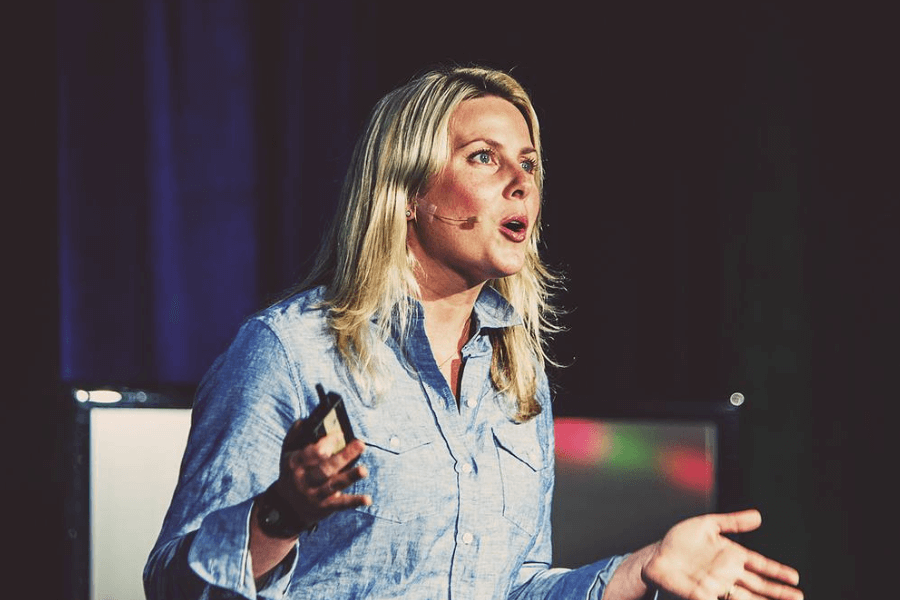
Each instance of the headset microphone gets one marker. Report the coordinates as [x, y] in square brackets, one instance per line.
[431, 211]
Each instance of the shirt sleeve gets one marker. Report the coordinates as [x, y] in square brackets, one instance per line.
[244, 407]
[535, 578]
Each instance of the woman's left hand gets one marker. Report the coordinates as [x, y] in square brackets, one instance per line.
[695, 560]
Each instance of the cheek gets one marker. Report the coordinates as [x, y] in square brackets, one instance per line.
[534, 209]
[451, 197]
[464, 196]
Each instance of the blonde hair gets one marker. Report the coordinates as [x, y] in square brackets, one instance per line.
[363, 262]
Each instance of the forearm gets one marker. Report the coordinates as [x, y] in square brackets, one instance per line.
[266, 552]
[215, 561]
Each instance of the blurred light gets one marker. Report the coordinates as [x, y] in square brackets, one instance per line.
[635, 449]
[736, 399]
[98, 396]
[580, 441]
[688, 468]
[632, 449]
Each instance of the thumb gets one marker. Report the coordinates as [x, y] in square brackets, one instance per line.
[739, 522]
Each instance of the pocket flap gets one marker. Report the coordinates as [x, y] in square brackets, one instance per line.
[521, 441]
[395, 440]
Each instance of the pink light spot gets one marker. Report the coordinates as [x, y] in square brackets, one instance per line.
[688, 468]
[580, 441]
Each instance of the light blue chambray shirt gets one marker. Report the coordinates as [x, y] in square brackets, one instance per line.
[461, 493]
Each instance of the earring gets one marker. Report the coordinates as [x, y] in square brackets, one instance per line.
[408, 213]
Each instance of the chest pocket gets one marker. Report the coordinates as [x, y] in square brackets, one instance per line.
[404, 473]
[522, 471]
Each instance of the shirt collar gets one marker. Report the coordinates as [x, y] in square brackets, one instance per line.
[493, 311]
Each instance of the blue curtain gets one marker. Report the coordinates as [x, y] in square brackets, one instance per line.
[189, 133]
[201, 148]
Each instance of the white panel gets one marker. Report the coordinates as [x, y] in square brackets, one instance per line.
[135, 457]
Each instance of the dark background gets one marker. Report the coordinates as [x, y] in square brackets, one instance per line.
[720, 189]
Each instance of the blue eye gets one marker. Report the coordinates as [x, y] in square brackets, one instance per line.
[483, 156]
[529, 165]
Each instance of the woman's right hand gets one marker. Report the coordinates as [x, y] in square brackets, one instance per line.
[313, 478]
[312, 481]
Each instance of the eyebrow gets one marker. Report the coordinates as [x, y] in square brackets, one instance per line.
[490, 142]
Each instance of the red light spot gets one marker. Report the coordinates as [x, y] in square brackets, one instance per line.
[688, 468]
[580, 441]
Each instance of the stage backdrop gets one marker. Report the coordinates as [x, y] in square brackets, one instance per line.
[713, 195]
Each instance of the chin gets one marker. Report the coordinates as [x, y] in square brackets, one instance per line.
[509, 268]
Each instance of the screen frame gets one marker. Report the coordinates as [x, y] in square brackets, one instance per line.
[724, 414]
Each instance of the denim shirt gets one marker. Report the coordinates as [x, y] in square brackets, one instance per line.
[461, 493]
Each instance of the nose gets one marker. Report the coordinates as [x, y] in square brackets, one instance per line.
[521, 183]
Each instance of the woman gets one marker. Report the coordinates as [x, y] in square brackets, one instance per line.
[427, 312]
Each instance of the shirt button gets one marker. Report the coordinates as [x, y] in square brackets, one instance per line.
[466, 468]
[471, 403]
[395, 443]
[467, 538]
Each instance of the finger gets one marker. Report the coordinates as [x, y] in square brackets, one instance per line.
[322, 492]
[739, 522]
[765, 588]
[326, 467]
[315, 455]
[757, 563]
[349, 453]
[332, 448]
[786, 593]
[326, 447]
[338, 483]
[339, 502]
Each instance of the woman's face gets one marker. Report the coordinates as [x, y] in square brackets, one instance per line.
[489, 175]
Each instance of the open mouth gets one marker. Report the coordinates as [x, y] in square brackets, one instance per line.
[515, 228]
[515, 225]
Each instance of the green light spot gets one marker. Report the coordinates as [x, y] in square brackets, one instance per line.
[631, 450]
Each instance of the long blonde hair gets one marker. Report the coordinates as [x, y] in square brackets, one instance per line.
[363, 262]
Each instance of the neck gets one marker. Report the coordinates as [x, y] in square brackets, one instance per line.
[448, 307]
[447, 320]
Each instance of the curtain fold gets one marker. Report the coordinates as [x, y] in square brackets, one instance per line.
[202, 181]
[201, 148]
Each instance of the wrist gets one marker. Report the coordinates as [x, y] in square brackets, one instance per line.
[644, 556]
[276, 518]
[629, 582]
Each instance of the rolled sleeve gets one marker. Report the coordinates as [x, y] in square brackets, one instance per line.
[220, 555]
[588, 582]
[243, 410]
